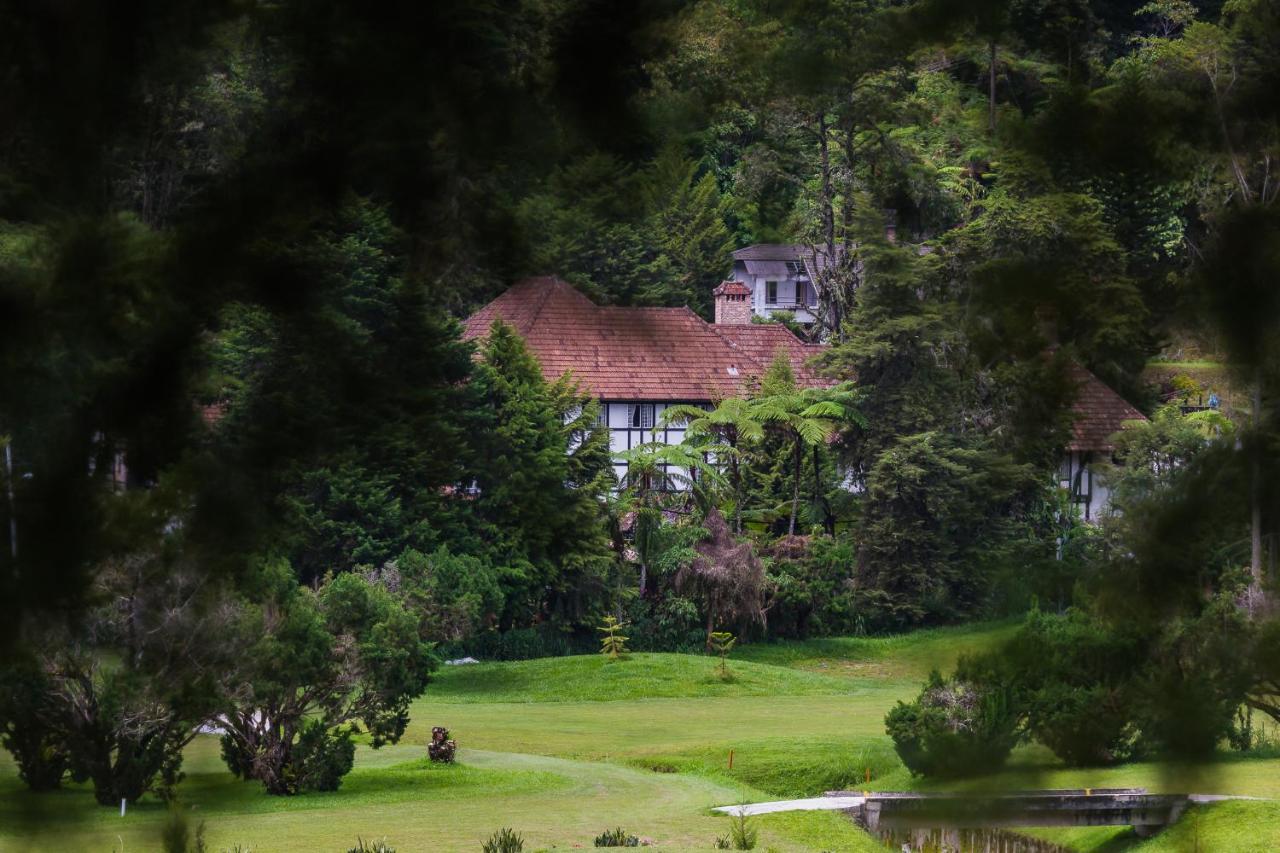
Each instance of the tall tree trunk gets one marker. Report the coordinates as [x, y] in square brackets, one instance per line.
[817, 476]
[735, 470]
[828, 194]
[797, 463]
[13, 511]
[991, 87]
[827, 210]
[1255, 500]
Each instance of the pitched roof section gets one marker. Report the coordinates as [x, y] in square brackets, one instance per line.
[771, 258]
[1099, 412]
[772, 252]
[731, 288]
[763, 341]
[618, 353]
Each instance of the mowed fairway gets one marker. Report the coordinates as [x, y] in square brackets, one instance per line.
[561, 749]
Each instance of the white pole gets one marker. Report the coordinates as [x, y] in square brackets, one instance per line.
[122, 807]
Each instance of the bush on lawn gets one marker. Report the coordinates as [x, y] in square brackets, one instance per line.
[955, 727]
[176, 835]
[505, 840]
[1074, 676]
[363, 846]
[354, 654]
[26, 726]
[616, 838]
[322, 757]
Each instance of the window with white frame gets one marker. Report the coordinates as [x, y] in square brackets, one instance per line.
[642, 416]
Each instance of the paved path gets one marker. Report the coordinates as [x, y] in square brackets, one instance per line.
[810, 804]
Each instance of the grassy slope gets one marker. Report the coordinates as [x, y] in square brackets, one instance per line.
[562, 771]
[419, 807]
[594, 678]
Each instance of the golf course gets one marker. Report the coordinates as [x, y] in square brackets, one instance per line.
[562, 749]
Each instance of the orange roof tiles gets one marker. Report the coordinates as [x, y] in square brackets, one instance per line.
[763, 341]
[620, 353]
[1099, 412]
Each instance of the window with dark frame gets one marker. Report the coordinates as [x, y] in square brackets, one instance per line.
[771, 292]
[642, 416]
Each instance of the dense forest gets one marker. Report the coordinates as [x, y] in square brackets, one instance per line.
[241, 426]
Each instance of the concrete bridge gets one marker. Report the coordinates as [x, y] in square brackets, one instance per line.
[889, 810]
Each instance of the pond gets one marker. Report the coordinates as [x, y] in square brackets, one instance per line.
[951, 840]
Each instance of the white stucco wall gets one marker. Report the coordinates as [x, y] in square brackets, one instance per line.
[787, 289]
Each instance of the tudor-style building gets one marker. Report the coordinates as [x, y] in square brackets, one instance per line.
[639, 361]
[1099, 413]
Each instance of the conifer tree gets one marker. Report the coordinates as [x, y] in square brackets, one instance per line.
[543, 471]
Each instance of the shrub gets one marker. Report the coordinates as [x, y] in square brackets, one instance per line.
[176, 835]
[616, 838]
[667, 624]
[1083, 725]
[742, 834]
[543, 641]
[363, 846]
[323, 757]
[813, 595]
[1074, 676]
[27, 730]
[954, 728]
[505, 840]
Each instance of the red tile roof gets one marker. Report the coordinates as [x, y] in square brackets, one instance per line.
[618, 353]
[1099, 412]
[763, 341]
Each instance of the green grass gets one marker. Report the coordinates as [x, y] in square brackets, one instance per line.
[899, 657]
[545, 750]
[1193, 364]
[594, 678]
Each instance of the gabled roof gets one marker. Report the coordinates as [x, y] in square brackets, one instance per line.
[771, 258]
[1099, 412]
[772, 252]
[621, 353]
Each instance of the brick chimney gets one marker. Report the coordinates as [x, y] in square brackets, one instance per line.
[733, 303]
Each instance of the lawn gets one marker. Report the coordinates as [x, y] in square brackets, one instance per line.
[562, 749]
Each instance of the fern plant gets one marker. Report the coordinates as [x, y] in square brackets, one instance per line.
[722, 642]
[505, 840]
[613, 643]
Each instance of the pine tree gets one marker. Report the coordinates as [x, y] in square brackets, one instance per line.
[543, 471]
